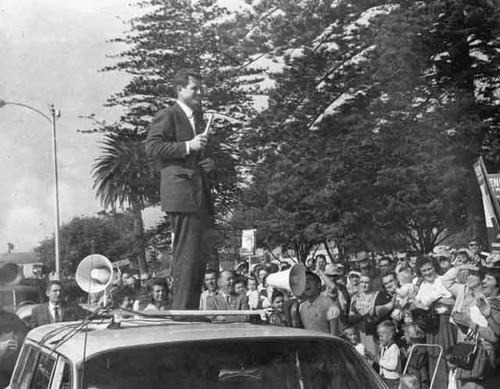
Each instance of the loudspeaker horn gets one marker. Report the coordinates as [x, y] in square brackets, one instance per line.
[10, 273]
[293, 279]
[94, 273]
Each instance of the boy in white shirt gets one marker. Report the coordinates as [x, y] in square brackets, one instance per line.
[390, 357]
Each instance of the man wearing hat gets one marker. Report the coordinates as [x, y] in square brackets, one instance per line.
[475, 252]
[375, 274]
[353, 282]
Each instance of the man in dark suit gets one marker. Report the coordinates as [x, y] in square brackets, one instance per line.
[178, 145]
[56, 310]
[226, 299]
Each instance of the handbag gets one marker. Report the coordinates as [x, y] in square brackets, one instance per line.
[426, 319]
[468, 357]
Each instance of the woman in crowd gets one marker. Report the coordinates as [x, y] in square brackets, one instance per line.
[485, 326]
[464, 293]
[123, 297]
[362, 314]
[159, 296]
[320, 262]
[437, 303]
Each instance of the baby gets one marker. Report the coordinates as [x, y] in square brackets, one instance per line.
[405, 294]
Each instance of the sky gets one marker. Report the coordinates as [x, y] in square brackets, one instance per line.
[51, 52]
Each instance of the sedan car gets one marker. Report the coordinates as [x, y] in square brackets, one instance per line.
[156, 353]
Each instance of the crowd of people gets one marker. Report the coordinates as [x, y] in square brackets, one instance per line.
[385, 307]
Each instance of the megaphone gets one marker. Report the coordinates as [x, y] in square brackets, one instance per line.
[94, 273]
[293, 279]
[10, 273]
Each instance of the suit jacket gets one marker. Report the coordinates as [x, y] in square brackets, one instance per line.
[41, 314]
[184, 185]
[218, 302]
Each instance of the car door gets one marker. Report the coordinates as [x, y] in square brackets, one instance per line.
[35, 369]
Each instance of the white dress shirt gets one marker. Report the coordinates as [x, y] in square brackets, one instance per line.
[190, 115]
[52, 310]
[390, 362]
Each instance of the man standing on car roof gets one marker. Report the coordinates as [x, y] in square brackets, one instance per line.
[178, 144]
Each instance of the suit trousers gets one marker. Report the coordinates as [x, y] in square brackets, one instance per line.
[190, 254]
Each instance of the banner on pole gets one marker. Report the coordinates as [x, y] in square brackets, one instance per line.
[491, 206]
[494, 180]
[248, 238]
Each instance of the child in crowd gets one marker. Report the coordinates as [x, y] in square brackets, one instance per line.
[351, 334]
[390, 357]
[418, 364]
[408, 381]
[318, 312]
[253, 294]
[240, 287]
[277, 317]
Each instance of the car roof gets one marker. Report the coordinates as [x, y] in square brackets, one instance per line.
[150, 332]
[18, 288]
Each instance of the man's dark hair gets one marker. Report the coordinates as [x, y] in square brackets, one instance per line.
[240, 279]
[54, 282]
[182, 77]
[314, 276]
[494, 272]
[212, 271]
[391, 274]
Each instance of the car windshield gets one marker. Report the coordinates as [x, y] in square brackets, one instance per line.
[285, 364]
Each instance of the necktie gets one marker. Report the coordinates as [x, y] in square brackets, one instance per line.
[57, 315]
[193, 122]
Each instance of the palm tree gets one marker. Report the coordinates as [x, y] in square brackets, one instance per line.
[123, 177]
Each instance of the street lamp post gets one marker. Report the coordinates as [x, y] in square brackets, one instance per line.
[54, 114]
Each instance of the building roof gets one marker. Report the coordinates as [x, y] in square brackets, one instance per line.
[20, 258]
[149, 332]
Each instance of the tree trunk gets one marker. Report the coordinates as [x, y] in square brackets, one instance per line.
[139, 239]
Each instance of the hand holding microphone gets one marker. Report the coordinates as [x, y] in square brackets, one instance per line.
[199, 142]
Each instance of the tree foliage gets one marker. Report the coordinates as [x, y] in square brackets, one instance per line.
[123, 177]
[374, 122]
[108, 234]
[373, 117]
